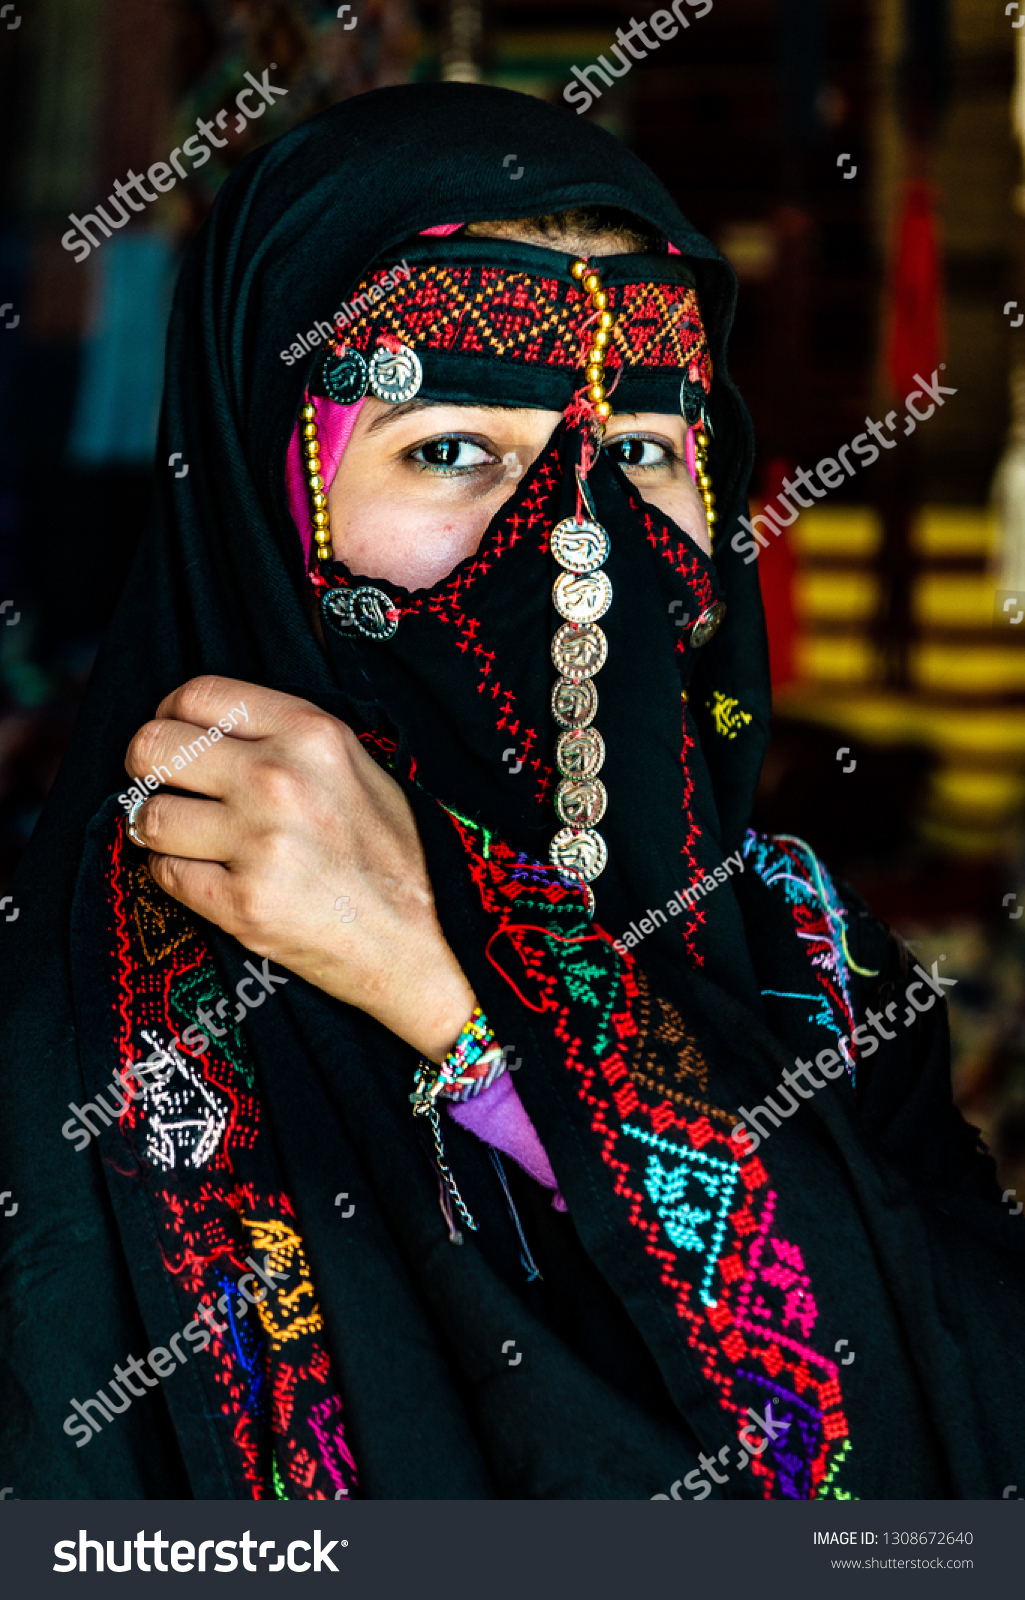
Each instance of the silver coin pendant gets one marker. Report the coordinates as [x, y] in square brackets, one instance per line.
[581, 849]
[708, 623]
[580, 753]
[582, 597]
[581, 804]
[395, 376]
[574, 704]
[579, 650]
[580, 546]
[366, 610]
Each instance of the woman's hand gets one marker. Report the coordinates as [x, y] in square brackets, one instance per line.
[296, 817]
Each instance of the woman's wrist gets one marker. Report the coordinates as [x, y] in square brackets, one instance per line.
[428, 1007]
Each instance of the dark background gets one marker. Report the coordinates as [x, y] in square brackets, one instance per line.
[884, 602]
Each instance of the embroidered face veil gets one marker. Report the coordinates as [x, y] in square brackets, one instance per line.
[469, 318]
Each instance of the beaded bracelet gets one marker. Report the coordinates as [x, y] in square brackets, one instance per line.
[471, 1066]
[474, 1062]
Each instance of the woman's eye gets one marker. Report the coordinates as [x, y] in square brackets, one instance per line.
[638, 452]
[453, 454]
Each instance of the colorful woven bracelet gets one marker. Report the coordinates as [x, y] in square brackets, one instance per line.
[471, 1066]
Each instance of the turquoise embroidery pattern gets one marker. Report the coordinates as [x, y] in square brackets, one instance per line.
[717, 1179]
[820, 919]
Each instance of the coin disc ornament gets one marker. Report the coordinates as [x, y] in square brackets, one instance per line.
[579, 649]
[345, 377]
[692, 402]
[395, 375]
[582, 597]
[580, 546]
[707, 624]
[574, 702]
[581, 849]
[581, 804]
[581, 594]
[580, 753]
[366, 610]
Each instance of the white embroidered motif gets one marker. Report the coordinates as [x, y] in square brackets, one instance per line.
[184, 1115]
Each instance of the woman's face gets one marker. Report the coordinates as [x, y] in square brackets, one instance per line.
[419, 483]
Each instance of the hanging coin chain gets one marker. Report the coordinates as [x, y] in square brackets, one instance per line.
[316, 485]
[582, 594]
[365, 610]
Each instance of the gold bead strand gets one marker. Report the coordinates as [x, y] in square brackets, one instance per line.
[315, 482]
[701, 443]
[589, 278]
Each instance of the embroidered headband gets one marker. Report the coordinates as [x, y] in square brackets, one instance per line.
[509, 323]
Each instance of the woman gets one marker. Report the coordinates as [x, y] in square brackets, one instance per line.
[418, 1081]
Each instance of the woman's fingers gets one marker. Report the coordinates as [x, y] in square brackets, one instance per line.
[201, 885]
[203, 731]
[174, 825]
[181, 749]
[286, 810]
[182, 756]
[252, 711]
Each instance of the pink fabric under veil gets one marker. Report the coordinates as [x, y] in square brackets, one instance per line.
[334, 430]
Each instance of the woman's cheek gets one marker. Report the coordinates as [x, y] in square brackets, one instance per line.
[685, 508]
[411, 545]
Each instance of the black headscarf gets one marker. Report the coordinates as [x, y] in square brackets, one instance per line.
[686, 1289]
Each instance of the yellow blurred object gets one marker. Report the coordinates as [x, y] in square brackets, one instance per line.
[957, 839]
[954, 600]
[955, 531]
[844, 659]
[837, 596]
[959, 668]
[952, 702]
[886, 717]
[988, 794]
[839, 531]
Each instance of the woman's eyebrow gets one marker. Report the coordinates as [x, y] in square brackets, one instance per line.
[407, 407]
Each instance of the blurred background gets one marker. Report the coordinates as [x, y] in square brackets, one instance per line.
[860, 163]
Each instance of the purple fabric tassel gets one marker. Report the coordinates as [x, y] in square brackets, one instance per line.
[498, 1118]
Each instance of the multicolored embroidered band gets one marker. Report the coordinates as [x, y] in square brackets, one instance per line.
[509, 324]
